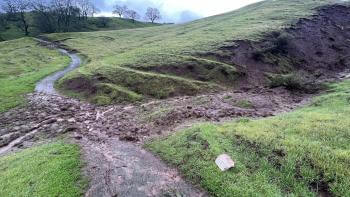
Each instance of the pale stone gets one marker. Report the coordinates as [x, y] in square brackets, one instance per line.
[71, 120]
[224, 162]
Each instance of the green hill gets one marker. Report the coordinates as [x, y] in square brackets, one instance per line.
[174, 59]
[93, 24]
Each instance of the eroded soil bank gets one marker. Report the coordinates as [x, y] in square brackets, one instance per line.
[315, 48]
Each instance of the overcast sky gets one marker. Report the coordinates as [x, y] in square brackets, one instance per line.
[176, 11]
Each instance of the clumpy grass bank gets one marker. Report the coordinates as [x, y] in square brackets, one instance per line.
[23, 63]
[47, 170]
[302, 153]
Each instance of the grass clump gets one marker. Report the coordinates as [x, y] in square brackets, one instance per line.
[244, 104]
[295, 81]
[47, 170]
[22, 64]
[302, 153]
[110, 93]
[292, 81]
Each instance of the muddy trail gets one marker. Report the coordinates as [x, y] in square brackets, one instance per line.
[111, 137]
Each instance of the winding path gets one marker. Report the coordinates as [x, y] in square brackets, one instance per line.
[46, 85]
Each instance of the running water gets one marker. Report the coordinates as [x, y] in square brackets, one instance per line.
[46, 85]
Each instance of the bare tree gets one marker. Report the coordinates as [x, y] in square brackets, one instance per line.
[3, 23]
[16, 10]
[66, 11]
[94, 10]
[87, 8]
[120, 10]
[153, 14]
[133, 15]
[44, 16]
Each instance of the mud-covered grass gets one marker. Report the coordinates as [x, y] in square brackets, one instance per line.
[22, 64]
[302, 153]
[47, 170]
[175, 50]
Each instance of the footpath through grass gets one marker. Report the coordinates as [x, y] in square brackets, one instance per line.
[23, 63]
[303, 153]
[47, 170]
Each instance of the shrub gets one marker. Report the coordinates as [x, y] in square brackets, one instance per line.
[258, 55]
[102, 100]
[293, 81]
[280, 44]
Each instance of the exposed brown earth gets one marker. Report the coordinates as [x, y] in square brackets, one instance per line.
[318, 47]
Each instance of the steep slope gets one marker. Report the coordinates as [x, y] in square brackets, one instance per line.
[183, 59]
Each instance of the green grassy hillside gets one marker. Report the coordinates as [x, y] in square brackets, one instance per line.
[23, 63]
[166, 57]
[93, 24]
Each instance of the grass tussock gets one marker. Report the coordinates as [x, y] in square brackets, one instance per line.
[295, 81]
[303, 153]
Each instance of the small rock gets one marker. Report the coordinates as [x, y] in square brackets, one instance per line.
[70, 129]
[129, 138]
[71, 120]
[224, 162]
[60, 120]
[78, 137]
[16, 128]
